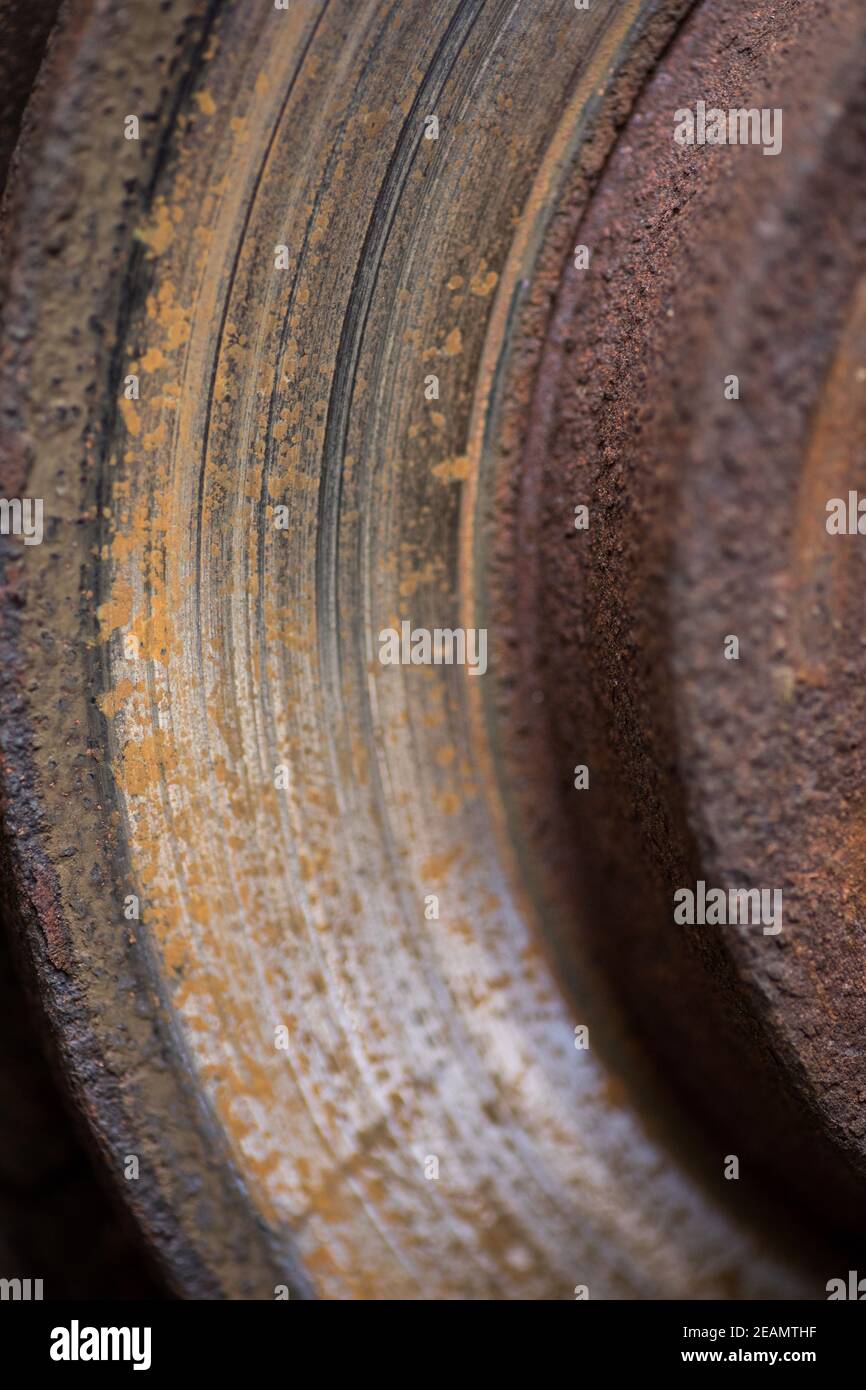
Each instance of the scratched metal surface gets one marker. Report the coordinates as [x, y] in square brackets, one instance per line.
[149, 768]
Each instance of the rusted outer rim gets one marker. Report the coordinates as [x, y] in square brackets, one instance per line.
[78, 185]
[575, 621]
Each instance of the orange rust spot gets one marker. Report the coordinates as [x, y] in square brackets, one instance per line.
[130, 416]
[484, 280]
[152, 360]
[437, 866]
[116, 611]
[160, 234]
[452, 470]
[110, 701]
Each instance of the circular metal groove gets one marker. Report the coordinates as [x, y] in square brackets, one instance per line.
[195, 717]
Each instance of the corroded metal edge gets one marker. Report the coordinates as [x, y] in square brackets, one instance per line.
[75, 188]
[613, 377]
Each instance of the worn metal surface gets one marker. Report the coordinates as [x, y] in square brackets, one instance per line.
[53, 1198]
[24, 32]
[709, 519]
[147, 766]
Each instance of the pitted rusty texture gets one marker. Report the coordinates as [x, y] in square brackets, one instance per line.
[709, 519]
[197, 716]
